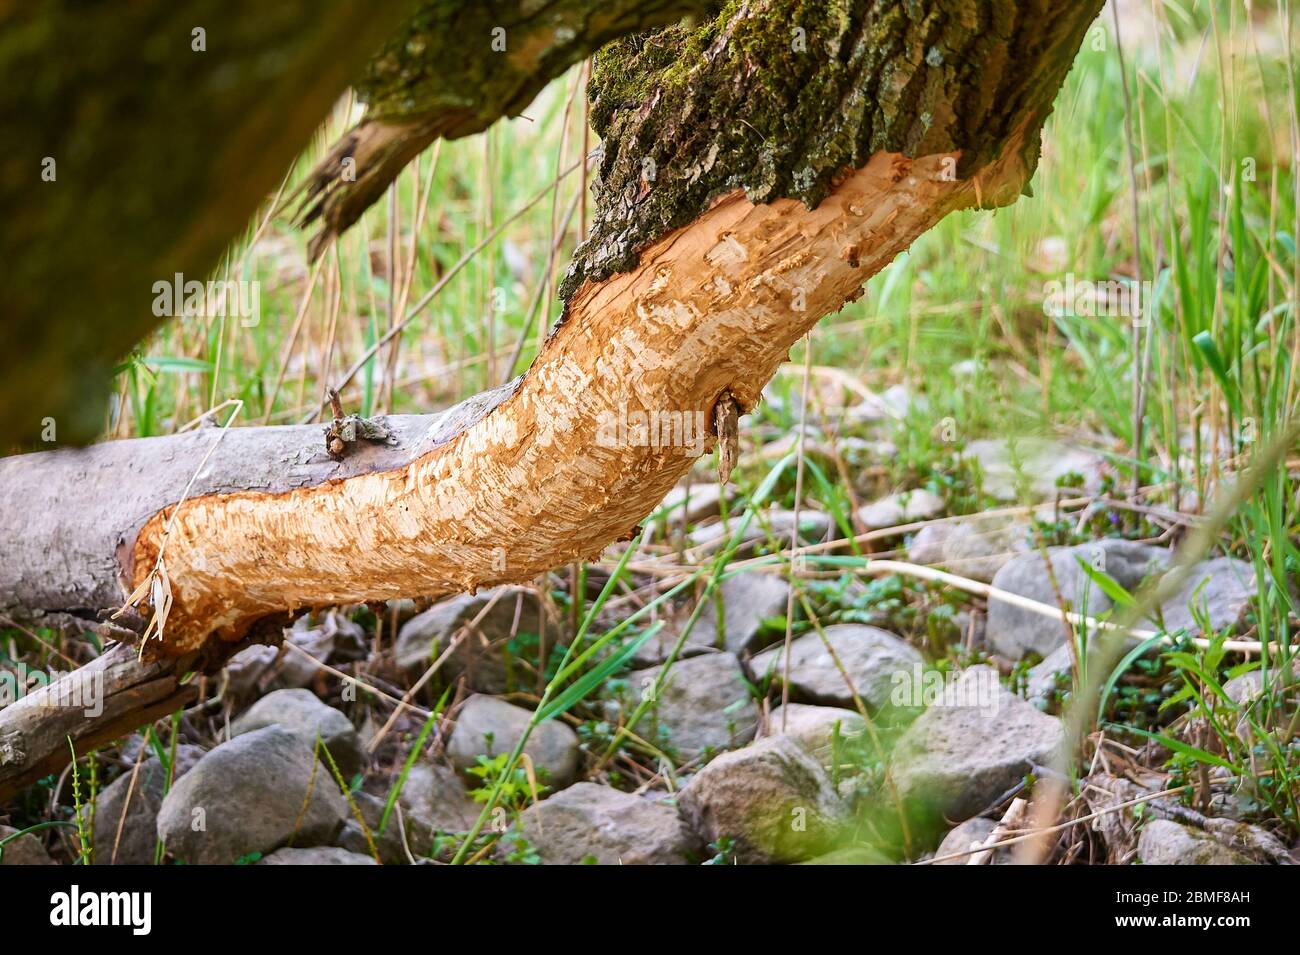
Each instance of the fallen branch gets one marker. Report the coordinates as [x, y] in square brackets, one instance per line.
[108, 698]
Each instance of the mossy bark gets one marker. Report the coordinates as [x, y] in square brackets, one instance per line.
[484, 60]
[137, 148]
[454, 69]
[780, 97]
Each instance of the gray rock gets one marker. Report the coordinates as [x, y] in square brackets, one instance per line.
[971, 746]
[975, 547]
[481, 656]
[860, 452]
[1248, 692]
[1013, 631]
[964, 836]
[588, 822]
[687, 504]
[1029, 467]
[772, 799]
[1163, 842]
[261, 669]
[704, 705]
[771, 526]
[434, 800]
[318, 855]
[353, 838]
[970, 625]
[894, 404]
[1052, 675]
[902, 401]
[747, 600]
[814, 727]
[1221, 588]
[1248, 689]
[870, 656]
[25, 850]
[247, 668]
[301, 712]
[139, 828]
[904, 507]
[486, 726]
[348, 639]
[660, 644]
[248, 795]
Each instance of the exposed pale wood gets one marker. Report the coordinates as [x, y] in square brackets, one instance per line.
[66, 512]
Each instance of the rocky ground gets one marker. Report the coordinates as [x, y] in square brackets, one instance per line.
[906, 722]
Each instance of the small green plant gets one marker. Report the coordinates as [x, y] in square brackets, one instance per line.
[723, 850]
[1215, 734]
[85, 850]
[513, 788]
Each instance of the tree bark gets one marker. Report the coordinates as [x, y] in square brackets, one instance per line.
[453, 71]
[102, 701]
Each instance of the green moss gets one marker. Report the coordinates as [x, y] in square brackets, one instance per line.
[482, 61]
[779, 97]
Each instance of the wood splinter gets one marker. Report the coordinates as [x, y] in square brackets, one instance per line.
[726, 421]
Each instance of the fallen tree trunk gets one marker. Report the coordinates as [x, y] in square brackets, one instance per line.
[103, 700]
[106, 699]
[687, 291]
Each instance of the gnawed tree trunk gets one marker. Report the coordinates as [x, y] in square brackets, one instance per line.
[886, 116]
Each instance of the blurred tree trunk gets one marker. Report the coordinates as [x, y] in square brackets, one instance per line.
[139, 139]
[758, 168]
